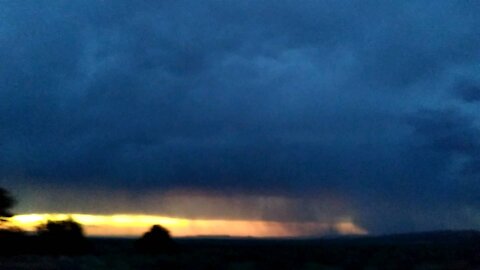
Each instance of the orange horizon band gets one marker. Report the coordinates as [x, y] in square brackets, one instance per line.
[128, 225]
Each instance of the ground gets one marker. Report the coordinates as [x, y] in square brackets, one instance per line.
[436, 251]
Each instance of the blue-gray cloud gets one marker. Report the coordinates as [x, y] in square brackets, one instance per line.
[371, 100]
[468, 91]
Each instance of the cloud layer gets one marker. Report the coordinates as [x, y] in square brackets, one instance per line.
[375, 103]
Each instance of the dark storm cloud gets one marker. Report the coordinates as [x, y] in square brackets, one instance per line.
[468, 91]
[252, 97]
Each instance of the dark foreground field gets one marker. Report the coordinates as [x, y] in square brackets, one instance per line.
[439, 250]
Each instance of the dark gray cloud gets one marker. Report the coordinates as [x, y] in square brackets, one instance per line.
[468, 91]
[249, 97]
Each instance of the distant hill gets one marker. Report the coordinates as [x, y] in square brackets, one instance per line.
[433, 236]
[429, 236]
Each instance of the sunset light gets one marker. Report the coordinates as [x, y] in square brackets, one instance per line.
[135, 225]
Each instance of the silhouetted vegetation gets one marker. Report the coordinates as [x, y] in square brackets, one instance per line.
[62, 237]
[7, 201]
[13, 241]
[157, 240]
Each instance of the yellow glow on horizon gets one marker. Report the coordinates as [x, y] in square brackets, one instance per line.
[136, 225]
[346, 228]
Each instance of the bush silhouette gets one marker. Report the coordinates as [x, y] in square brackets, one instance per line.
[7, 201]
[13, 241]
[157, 240]
[62, 237]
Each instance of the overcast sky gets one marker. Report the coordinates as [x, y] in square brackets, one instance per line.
[300, 110]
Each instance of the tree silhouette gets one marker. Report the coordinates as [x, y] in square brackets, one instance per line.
[157, 240]
[62, 237]
[12, 238]
[7, 201]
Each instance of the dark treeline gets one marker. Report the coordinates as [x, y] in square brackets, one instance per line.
[65, 237]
